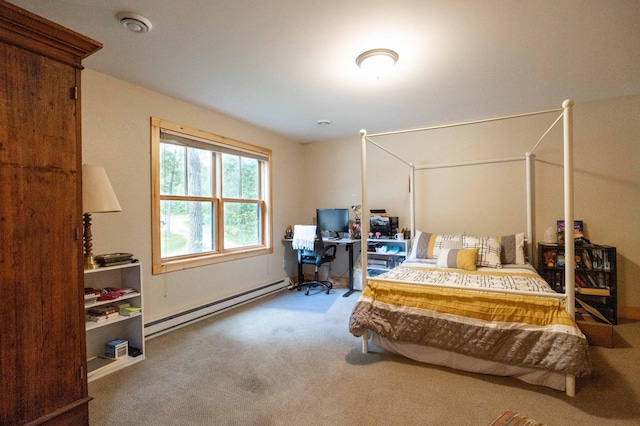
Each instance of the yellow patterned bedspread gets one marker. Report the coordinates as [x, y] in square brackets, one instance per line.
[520, 330]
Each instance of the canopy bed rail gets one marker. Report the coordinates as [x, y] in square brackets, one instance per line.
[566, 114]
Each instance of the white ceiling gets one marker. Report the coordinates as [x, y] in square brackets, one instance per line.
[285, 64]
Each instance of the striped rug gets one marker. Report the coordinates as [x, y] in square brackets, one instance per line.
[511, 418]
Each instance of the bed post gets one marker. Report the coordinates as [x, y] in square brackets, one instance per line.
[530, 162]
[412, 200]
[569, 247]
[364, 221]
[365, 342]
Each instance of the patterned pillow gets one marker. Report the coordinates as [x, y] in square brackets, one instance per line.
[427, 245]
[458, 258]
[488, 250]
[512, 249]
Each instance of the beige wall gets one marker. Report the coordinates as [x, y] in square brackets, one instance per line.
[479, 199]
[116, 134]
[490, 199]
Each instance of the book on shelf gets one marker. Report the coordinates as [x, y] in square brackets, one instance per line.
[587, 279]
[597, 258]
[130, 311]
[579, 282]
[593, 311]
[101, 313]
[99, 318]
[90, 298]
[590, 280]
[586, 259]
[591, 291]
[578, 230]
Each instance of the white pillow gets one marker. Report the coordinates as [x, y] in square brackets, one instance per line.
[427, 245]
[488, 250]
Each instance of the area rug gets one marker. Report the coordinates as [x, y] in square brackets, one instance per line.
[511, 418]
[318, 301]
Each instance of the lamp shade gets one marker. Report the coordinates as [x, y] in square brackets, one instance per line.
[97, 193]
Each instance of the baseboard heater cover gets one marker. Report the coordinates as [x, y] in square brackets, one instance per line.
[172, 322]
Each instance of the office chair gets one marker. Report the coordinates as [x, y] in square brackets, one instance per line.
[317, 257]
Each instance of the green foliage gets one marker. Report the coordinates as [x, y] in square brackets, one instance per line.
[187, 225]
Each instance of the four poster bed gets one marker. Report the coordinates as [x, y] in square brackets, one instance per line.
[473, 303]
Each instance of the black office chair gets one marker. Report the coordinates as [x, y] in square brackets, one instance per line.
[318, 257]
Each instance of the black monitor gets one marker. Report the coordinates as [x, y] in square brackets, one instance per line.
[333, 220]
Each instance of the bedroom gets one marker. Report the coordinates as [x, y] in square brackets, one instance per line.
[116, 134]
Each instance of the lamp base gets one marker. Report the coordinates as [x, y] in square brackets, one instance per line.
[89, 262]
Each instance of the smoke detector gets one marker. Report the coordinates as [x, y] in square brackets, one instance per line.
[134, 22]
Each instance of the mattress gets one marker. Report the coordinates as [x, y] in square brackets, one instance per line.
[506, 329]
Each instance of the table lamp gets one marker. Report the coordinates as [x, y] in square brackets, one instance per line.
[97, 197]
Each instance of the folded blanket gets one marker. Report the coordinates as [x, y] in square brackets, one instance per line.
[304, 237]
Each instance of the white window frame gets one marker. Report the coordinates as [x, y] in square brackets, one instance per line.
[215, 143]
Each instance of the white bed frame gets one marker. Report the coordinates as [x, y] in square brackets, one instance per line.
[567, 115]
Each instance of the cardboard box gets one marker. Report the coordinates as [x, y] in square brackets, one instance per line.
[116, 349]
[598, 333]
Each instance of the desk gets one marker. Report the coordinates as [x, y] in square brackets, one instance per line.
[348, 243]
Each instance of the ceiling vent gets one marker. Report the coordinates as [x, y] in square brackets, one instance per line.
[134, 22]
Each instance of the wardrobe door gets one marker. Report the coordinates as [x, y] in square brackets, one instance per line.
[42, 333]
[43, 349]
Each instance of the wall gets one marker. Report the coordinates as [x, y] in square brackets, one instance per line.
[116, 135]
[490, 199]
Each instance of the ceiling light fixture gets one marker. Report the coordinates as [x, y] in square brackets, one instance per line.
[377, 61]
[324, 122]
[134, 22]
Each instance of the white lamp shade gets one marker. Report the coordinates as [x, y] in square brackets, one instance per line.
[97, 193]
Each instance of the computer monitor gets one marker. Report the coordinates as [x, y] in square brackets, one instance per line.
[334, 221]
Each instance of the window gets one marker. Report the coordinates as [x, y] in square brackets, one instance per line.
[211, 198]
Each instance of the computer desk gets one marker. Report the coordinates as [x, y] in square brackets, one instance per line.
[348, 243]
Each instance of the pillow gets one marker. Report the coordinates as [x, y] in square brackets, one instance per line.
[488, 250]
[458, 258]
[512, 249]
[427, 245]
[451, 244]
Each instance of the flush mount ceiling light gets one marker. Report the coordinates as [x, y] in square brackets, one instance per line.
[134, 22]
[377, 61]
[324, 122]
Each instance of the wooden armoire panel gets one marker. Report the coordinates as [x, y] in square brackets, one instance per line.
[42, 338]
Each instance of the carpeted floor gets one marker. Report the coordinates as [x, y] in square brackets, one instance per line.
[260, 365]
[317, 301]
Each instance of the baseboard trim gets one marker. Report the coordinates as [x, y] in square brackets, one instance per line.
[629, 312]
[181, 319]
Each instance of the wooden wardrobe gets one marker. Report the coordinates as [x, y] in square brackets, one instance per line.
[42, 331]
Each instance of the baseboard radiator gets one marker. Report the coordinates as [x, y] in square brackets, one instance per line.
[172, 322]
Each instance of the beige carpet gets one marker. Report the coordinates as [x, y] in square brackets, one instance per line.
[258, 365]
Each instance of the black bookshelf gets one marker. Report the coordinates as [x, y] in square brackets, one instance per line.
[596, 275]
